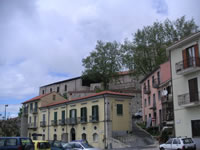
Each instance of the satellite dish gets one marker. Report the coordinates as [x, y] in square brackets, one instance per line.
[164, 92]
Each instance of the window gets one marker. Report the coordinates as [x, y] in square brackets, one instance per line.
[55, 116]
[95, 113]
[43, 117]
[195, 128]
[145, 102]
[42, 91]
[35, 118]
[58, 89]
[149, 115]
[154, 100]
[55, 137]
[84, 136]
[193, 90]
[31, 107]
[11, 142]
[149, 100]
[2, 142]
[158, 76]
[43, 137]
[63, 115]
[50, 90]
[84, 114]
[36, 106]
[65, 87]
[119, 109]
[72, 113]
[153, 80]
[95, 137]
[169, 141]
[29, 119]
[159, 95]
[148, 84]
[54, 97]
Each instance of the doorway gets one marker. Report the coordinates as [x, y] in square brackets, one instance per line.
[73, 134]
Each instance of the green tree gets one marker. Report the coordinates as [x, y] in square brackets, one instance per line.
[147, 49]
[20, 112]
[102, 63]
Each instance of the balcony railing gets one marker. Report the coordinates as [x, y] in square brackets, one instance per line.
[94, 119]
[42, 123]
[147, 90]
[54, 122]
[32, 125]
[185, 100]
[35, 111]
[62, 122]
[72, 121]
[188, 65]
[153, 107]
[156, 83]
[167, 99]
[83, 119]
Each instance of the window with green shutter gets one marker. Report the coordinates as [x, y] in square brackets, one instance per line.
[119, 109]
[95, 113]
[83, 114]
[72, 113]
[63, 115]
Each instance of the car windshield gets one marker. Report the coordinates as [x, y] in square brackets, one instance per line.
[67, 145]
[187, 141]
[86, 145]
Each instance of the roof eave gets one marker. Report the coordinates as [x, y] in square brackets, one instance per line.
[181, 42]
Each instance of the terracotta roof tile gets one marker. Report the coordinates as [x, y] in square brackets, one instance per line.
[93, 95]
[36, 98]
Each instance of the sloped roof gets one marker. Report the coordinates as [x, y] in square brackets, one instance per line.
[85, 97]
[36, 98]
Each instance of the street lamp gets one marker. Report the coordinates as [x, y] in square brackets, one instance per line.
[5, 111]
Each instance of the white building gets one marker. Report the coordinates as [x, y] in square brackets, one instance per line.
[185, 68]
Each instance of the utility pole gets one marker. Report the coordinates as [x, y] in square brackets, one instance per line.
[5, 110]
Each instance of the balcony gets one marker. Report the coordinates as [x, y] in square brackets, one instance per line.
[62, 122]
[153, 107]
[83, 120]
[156, 83]
[187, 66]
[167, 99]
[32, 125]
[147, 90]
[54, 122]
[185, 101]
[94, 119]
[35, 111]
[72, 121]
[42, 123]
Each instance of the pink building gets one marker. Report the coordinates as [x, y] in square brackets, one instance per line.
[157, 104]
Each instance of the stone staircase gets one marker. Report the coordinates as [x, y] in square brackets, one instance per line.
[139, 138]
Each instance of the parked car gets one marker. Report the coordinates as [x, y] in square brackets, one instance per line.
[59, 145]
[41, 145]
[81, 145]
[180, 143]
[16, 143]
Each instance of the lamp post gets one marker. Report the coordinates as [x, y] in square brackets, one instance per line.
[5, 111]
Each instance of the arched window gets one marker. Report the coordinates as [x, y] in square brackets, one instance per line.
[95, 137]
[55, 137]
[84, 137]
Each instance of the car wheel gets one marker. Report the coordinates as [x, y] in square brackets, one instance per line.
[162, 148]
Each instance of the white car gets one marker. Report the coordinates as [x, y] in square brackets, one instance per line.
[81, 146]
[180, 143]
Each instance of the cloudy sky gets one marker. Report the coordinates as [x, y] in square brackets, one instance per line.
[43, 41]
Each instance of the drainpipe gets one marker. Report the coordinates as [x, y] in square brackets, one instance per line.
[48, 121]
[172, 92]
[105, 124]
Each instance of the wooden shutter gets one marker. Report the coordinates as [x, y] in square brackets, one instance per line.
[193, 90]
[97, 113]
[196, 48]
[185, 61]
[63, 115]
[85, 114]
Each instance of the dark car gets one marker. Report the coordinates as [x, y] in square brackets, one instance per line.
[16, 143]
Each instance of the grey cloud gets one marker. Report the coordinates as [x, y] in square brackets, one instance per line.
[160, 6]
